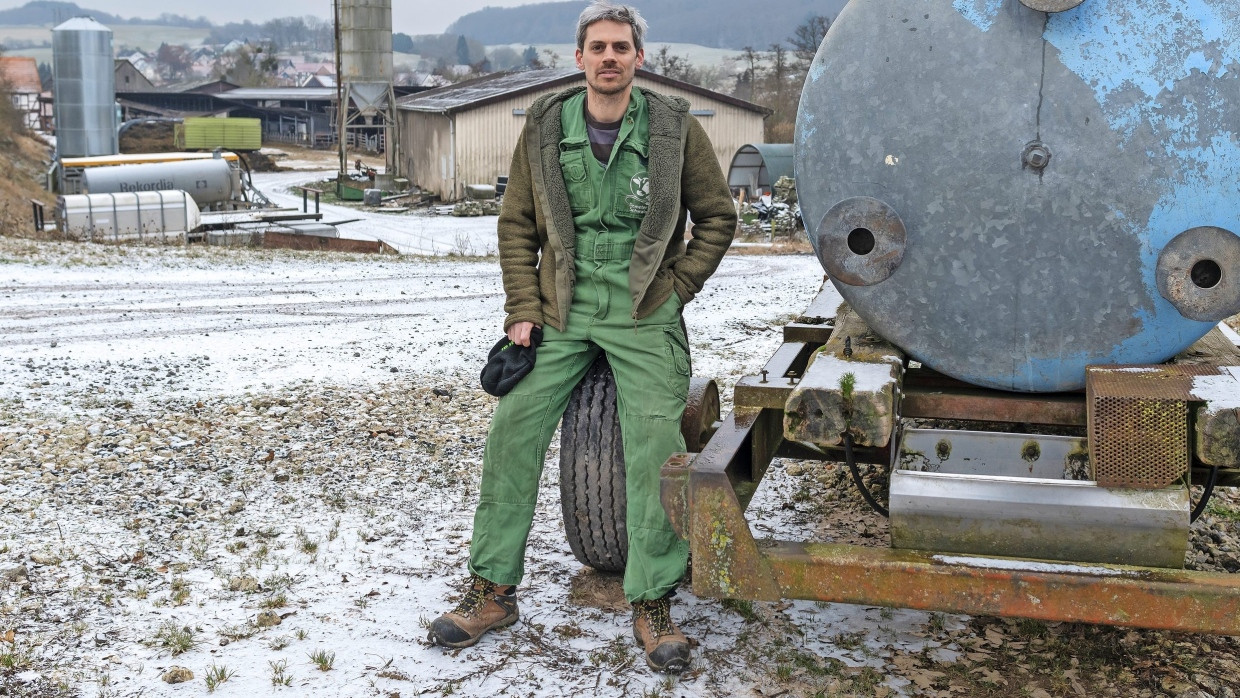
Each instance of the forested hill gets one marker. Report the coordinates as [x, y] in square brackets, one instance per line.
[51, 12]
[730, 24]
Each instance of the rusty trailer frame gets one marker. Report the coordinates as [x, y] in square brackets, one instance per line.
[706, 495]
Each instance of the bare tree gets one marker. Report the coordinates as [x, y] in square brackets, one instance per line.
[174, 61]
[807, 37]
[746, 80]
[782, 97]
[672, 66]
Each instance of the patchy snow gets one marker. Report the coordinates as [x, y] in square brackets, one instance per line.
[1229, 333]
[1222, 392]
[1031, 566]
[300, 434]
[105, 340]
[869, 376]
[411, 232]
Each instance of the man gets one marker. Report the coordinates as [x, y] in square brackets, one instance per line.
[592, 250]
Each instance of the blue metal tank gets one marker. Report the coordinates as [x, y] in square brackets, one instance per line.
[1011, 190]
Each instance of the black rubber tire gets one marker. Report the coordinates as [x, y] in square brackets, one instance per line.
[592, 472]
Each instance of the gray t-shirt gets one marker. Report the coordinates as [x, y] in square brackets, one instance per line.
[602, 136]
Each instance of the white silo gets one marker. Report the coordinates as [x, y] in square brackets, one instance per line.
[84, 88]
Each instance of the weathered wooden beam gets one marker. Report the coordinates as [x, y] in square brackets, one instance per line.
[815, 324]
[850, 385]
[1216, 438]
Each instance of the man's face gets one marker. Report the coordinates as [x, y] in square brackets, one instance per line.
[609, 57]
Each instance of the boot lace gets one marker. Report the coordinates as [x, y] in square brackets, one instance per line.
[479, 592]
[658, 616]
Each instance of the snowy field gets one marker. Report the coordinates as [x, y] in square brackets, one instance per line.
[260, 466]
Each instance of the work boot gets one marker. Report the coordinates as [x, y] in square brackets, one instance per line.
[667, 649]
[486, 606]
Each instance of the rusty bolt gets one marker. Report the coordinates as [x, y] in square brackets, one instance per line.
[1036, 155]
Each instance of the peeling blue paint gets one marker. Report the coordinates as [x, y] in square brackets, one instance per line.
[1149, 46]
[1121, 47]
[981, 13]
[816, 70]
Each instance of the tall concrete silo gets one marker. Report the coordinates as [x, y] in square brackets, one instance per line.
[85, 88]
[364, 42]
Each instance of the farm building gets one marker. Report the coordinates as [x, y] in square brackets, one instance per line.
[130, 78]
[465, 133]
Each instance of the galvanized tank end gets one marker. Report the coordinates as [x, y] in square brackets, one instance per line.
[861, 241]
[1197, 273]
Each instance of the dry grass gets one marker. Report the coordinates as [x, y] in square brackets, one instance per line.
[28, 159]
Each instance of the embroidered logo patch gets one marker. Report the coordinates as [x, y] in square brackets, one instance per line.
[638, 199]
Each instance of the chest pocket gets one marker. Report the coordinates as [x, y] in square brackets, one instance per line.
[632, 191]
[577, 176]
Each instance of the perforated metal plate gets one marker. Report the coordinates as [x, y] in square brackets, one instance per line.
[1138, 423]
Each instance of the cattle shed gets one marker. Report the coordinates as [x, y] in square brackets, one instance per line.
[464, 134]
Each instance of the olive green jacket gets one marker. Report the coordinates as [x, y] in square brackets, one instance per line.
[536, 234]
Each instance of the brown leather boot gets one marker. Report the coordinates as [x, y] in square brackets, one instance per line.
[667, 649]
[486, 606]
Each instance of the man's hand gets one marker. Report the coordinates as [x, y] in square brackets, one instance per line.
[519, 333]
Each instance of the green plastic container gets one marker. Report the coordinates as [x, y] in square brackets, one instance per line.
[207, 133]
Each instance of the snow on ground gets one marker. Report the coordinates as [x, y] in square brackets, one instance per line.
[272, 457]
[410, 233]
[105, 340]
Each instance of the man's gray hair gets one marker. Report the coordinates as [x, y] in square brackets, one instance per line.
[624, 14]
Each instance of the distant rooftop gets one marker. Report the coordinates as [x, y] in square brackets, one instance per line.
[21, 73]
[311, 93]
[486, 89]
[493, 88]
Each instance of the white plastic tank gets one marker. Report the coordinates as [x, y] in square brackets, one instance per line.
[154, 215]
[84, 77]
[208, 181]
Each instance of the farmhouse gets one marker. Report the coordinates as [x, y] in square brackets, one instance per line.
[21, 78]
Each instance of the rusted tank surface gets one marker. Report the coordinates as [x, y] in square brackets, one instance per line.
[1011, 190]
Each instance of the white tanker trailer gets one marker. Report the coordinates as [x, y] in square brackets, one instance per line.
[209, 182]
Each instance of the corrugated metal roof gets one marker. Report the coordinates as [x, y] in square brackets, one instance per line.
[473, 93]
[21, 73]
[492, 88]
[325, 93]
[761, 164]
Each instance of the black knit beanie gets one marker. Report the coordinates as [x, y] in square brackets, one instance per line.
[508, 362]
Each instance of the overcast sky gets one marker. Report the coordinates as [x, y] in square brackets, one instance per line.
[408, 16]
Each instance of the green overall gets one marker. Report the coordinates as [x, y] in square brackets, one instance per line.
[649, 359]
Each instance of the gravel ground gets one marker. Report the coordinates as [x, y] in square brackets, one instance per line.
[260, 467]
